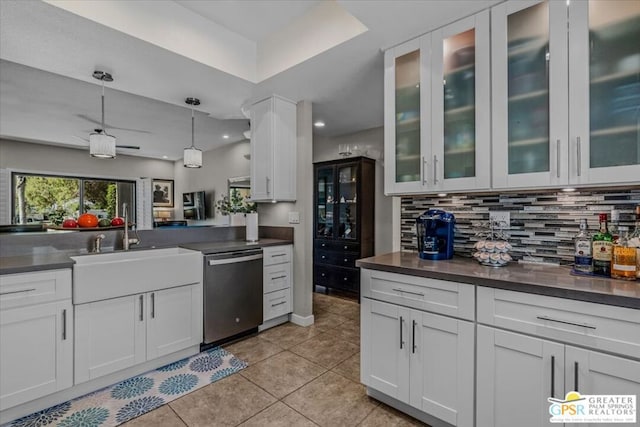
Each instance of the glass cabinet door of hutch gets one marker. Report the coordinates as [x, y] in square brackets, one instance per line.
[325, 202]
[347, 202]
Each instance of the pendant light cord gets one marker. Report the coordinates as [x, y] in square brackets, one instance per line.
[104, 131]
[192, 128]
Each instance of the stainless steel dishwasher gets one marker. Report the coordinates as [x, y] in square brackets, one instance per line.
[232, 294]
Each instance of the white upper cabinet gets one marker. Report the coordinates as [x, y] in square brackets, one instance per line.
[566, 93]
[437, 107]
[273, 150]
[604, 91]
[530, 98]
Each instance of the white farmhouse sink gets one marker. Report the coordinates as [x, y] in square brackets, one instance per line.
[110, 275]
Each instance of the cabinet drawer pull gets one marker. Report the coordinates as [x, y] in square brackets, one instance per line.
[323, 257]
[550, 319]
[345, 279]
[17, 292]
[141, 308]
[346, 260]
[553, 376]
[346, 247]
[401, 340]
[275, 255]
[408, 292]
[153, 305]
[413, 337]
[279, 303]
[278, 277]
[64, 324]
[575, 376]
[323, 274]
[324, 244]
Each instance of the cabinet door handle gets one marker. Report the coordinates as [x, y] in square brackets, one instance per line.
[279, 303]
[435, 169]
[551, 319]
[267, 180]
[558, 158]
[401, 340]
[346, 247]
[408, 292]
[579, 153]
[413, 337]
[153, 305]
[346, 260]
[17, 292]
[575, 376]
[64, 324]
[424, 171]
[553, 376]
[141, 307]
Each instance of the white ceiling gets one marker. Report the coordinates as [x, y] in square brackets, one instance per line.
[60, 50]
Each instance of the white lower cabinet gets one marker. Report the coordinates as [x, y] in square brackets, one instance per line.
[277, 285]
[118, 333]
[36, 336]
[419, 358]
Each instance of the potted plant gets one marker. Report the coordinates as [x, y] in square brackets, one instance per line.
[236, 207]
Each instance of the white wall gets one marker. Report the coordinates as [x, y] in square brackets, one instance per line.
[28, 157]
[369, 142]
[217, 167]
[278, 214]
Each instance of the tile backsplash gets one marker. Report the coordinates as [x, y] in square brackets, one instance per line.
[543, 223]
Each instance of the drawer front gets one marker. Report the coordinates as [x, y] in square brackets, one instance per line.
[277, 254]
[330, 245]
[597, 326]
[339, 258]
[22, 289]
[276, 277]
[347, 279]
[276, 304]
[438, 296]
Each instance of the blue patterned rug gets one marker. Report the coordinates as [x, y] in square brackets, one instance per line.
[131, 398]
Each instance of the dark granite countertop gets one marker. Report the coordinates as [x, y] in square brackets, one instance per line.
[536, 279]
[54, 259]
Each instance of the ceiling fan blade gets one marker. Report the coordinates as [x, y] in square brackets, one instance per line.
[128, 147]
[81, 139]
[108, 126]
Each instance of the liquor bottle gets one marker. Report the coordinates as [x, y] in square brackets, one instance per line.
[634, 241]
[623, 258]
[602, 244]
[583, 259]
[614, 224]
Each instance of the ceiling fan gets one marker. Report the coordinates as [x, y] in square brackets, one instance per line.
[101, 144]
[127, 147]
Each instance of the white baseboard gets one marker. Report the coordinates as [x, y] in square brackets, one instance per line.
[302, 320]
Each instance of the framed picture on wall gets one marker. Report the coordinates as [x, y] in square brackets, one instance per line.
[162, 193]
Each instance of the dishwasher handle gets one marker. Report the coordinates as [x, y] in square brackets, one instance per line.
[234, 260]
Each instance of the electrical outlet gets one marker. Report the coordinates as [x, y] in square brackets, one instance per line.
[294, 217]
[503, 218]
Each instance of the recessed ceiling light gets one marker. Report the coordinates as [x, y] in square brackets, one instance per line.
[319, 124]
[568, 190]
[225, 136]
[165, 157]
[442, 194]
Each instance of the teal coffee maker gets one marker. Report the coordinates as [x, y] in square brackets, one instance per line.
[435, 234]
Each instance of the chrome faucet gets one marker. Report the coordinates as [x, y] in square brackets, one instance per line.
[97, 243]
[126, 241]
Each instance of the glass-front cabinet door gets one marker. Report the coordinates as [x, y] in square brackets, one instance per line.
[604, 70]
[530, 98]
[407, 116]
[460, 84]
[347, 201]
[325, 202]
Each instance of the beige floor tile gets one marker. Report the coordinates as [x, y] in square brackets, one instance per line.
[252, 350]
[326, 320]
[332, 400]
[345, 308]
[163, 416]
[288, 335]
[326, 350]
[350, 368]
[227, 402]
[320, 305]
[278, 415]
[348, 331]
[385, 416]
[282, 373]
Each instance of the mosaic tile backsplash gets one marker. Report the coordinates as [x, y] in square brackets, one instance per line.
[543, 224]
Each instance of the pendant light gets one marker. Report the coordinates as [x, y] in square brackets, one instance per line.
[192, 156]
[101, 144]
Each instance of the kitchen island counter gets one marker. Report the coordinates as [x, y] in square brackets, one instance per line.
[537, 279]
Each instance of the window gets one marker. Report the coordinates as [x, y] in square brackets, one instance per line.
[50, 199]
